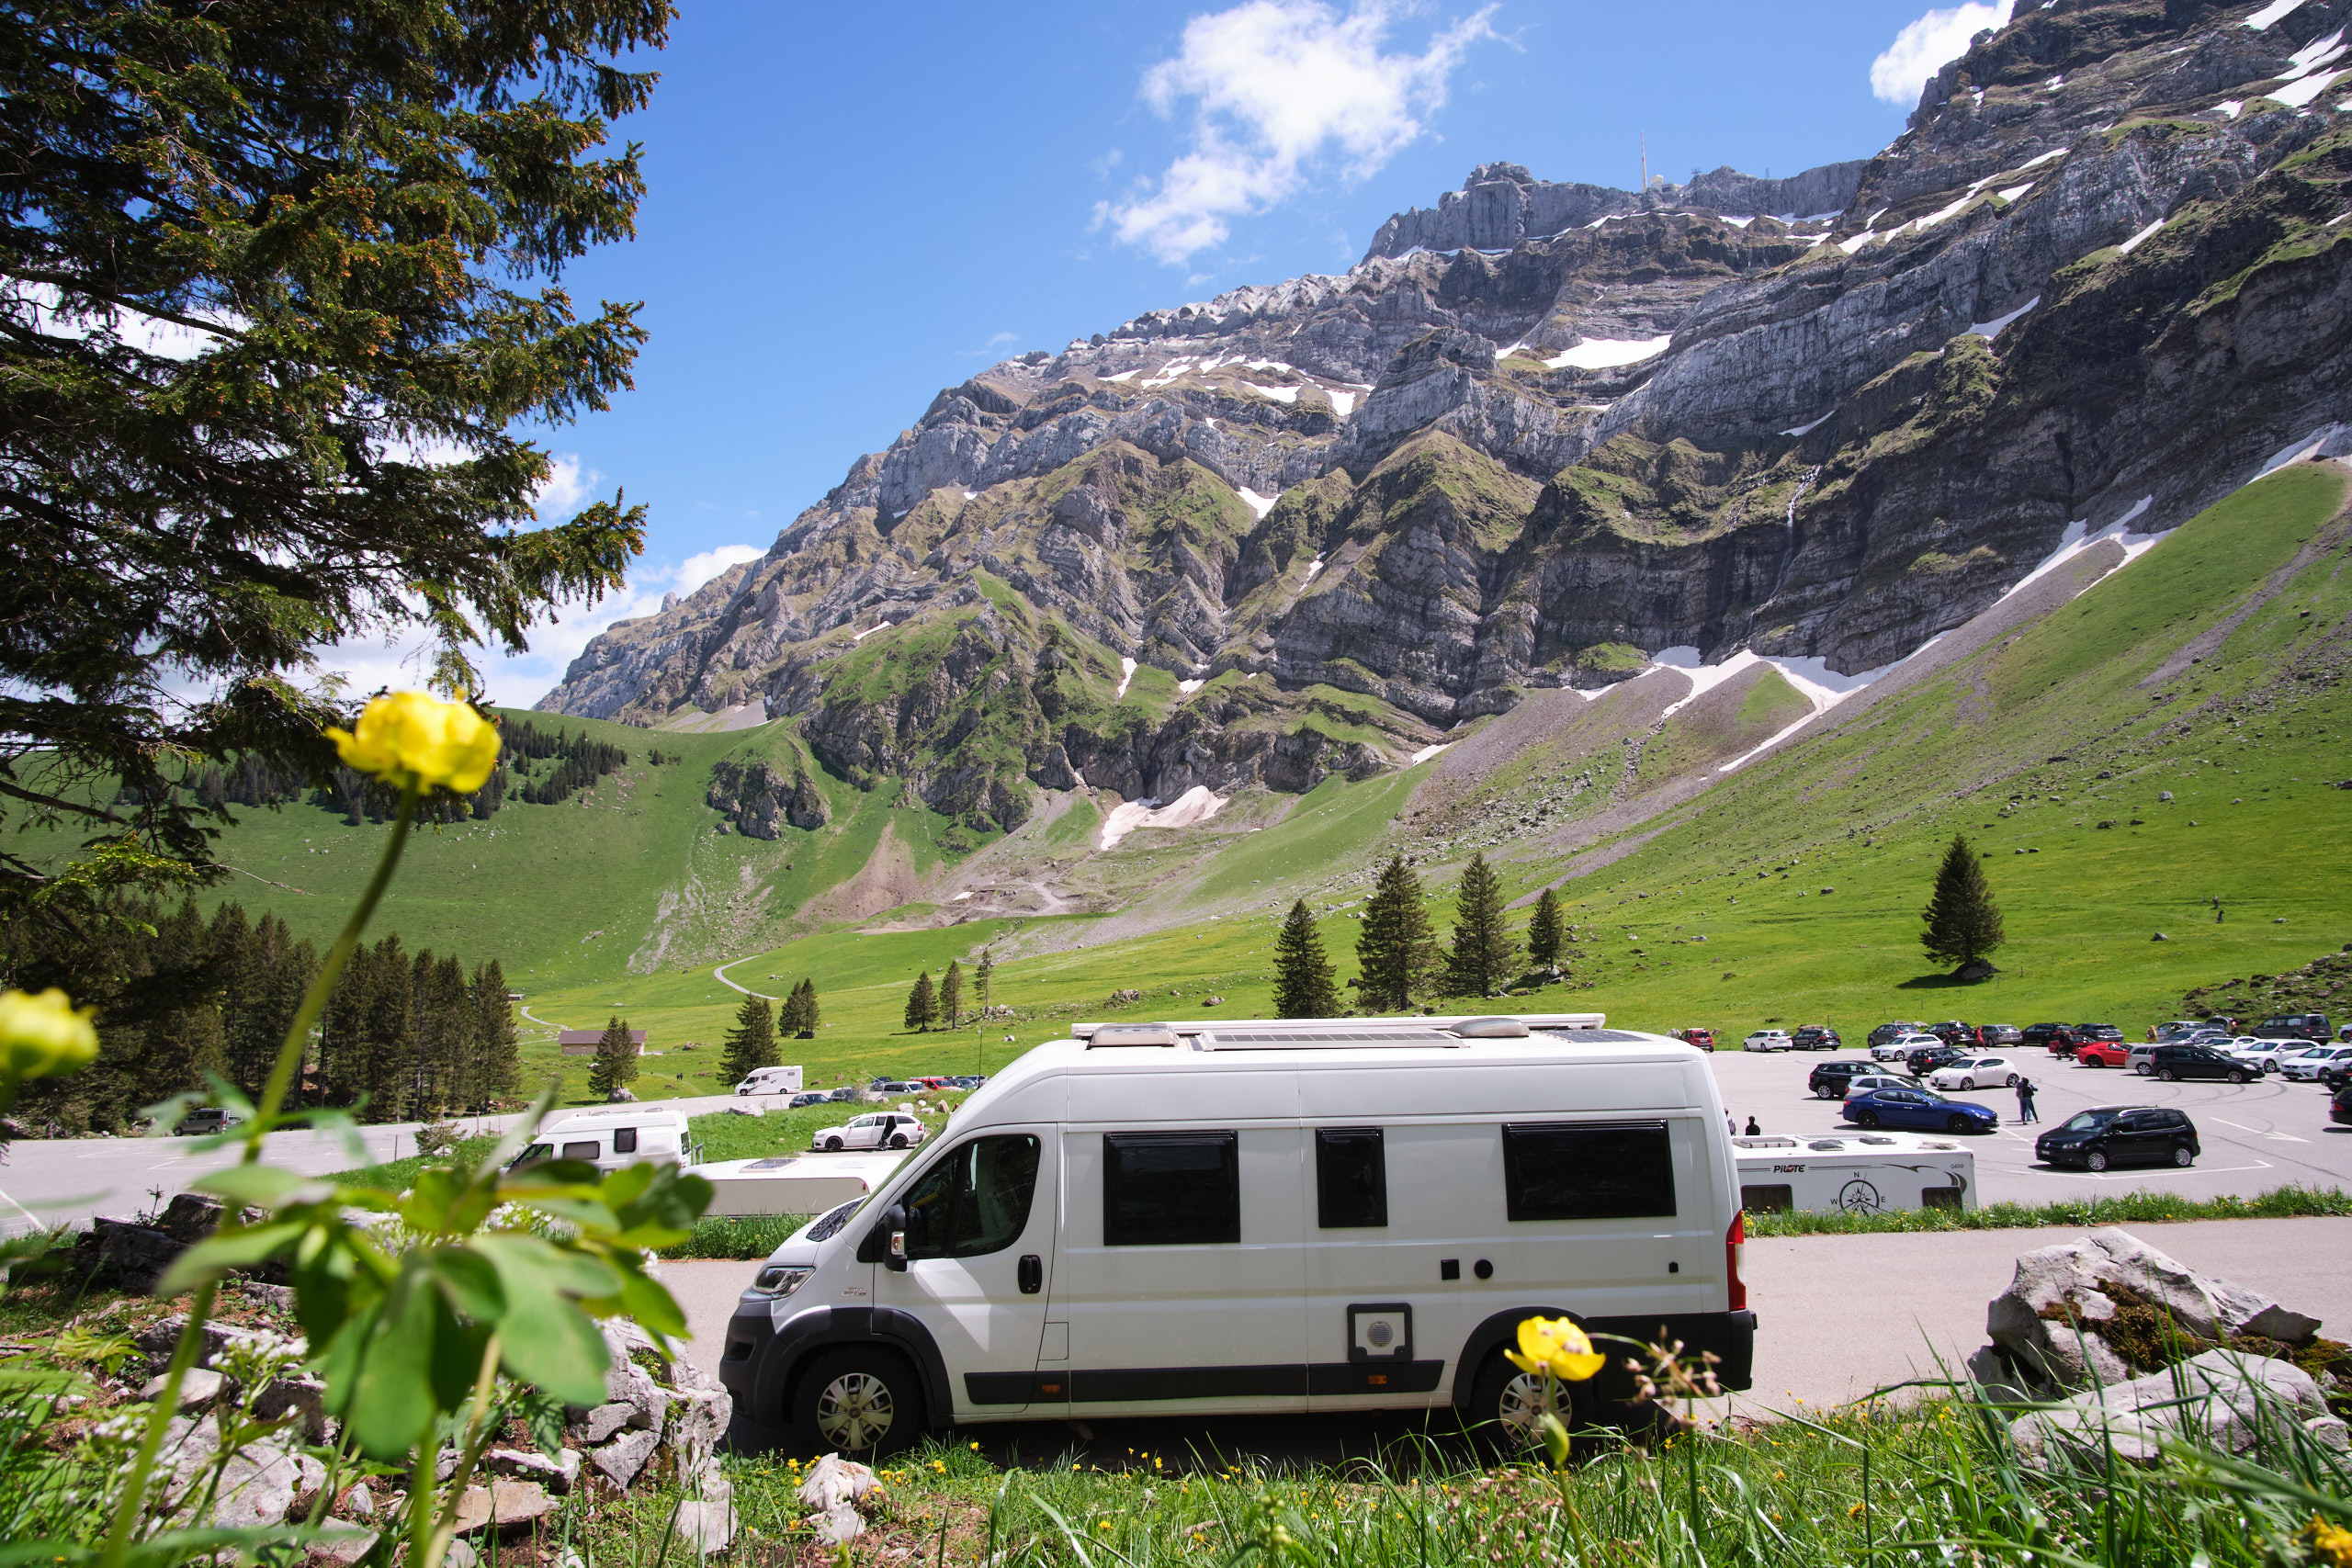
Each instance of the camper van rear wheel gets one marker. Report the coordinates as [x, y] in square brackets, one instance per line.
[1505, 1403]
[857, 1402]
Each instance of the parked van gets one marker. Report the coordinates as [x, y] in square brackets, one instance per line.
[771, 1080]
[1247, 1216]
[614, 1136]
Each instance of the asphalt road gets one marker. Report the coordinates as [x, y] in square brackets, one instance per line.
[2256, 1136]
[1839, 1317]
[46, 1181]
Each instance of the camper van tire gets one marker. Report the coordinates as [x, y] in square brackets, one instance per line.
[1505, 1402]
[858, 1401]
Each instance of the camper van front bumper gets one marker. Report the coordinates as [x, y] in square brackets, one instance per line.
[760, 1354]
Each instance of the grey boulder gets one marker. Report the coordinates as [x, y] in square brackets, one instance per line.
[2220, 1397]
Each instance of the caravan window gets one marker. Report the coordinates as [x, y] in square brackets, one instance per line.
[587, 1151]
[1587, 1170]
[623, 1140]
[1350, 1178]
[1164, 1188]
[974, 1202]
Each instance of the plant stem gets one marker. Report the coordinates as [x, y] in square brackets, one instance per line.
[433, 1536]
[290, 1057]
[314, 1000]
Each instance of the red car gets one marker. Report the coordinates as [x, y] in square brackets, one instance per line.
[1702, 1038]
[2102, 1054]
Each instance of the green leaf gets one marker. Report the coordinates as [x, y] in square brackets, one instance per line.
[671, 1200]
[645, 1299]
[529, 1265]
[229, 1249]
[262, 1187]
[457, 1355]
[551, 1344]
[392, 1407]
[471, 1282]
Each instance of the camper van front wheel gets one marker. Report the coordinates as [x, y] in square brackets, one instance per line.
[860, 1402]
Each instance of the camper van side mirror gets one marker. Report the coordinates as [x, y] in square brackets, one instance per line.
[886, 1243]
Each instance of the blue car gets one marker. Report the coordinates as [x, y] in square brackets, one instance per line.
[1920, 1111]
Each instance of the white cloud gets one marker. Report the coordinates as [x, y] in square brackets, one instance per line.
[1920, 50]
[405, 662]
[568, 485]
[1274, 85]
[698, 569]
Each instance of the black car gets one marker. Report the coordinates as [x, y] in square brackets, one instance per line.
[1952, 1031]
[2120, 1134]
[2312, 1026]
[2041, 1033]
[1817, 1037]
[2339, 1109]
[1928, 1059]
[2084, 1033]
[1829, 1079]
[2174, 1062]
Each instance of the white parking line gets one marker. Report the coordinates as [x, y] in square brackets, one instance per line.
[2261, 1133]
[2141, 1172]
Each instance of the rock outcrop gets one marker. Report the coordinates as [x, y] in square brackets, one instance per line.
[1541, 427]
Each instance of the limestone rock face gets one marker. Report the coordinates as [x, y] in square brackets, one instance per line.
[2221, 1396]
[2095, 281]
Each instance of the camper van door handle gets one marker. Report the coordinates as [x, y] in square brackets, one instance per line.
[1032, 1274]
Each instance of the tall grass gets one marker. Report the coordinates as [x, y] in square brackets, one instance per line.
[2291, 1201]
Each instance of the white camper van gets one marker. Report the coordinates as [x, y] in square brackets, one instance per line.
[1247, 1216]
[771, 1080]
[614, 1136]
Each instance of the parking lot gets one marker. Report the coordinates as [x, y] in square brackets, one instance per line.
[2256, 1136]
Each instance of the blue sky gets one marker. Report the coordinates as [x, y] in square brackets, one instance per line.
[852, 207]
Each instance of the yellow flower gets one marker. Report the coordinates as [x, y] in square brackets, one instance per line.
[415, 741]
[2331, 1542]
[1556, 1342]
[43, 1034]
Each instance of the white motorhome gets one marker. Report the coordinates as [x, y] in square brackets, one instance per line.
[771, 1080]
[613, 1136]
[794, 1184]
[1248, 1216]
[1855, 1173]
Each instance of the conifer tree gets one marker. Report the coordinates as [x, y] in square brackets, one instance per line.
[501, 1047]
[981, 979]
[616, 1060]
[388, 1034]
[922, 1003]
[1398, 953]
[1543, 931]
[951, 994]
[750, 1044]
[1302, 987]
[811, 1015]
[1964, 923]
[1483, 950]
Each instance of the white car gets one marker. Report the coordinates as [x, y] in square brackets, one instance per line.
[1767, 1040]
[2305, 1069]
[882, 1130]
[1975, 1072]
[1862, 1083]
[2264, 1055]
[1900, 1048]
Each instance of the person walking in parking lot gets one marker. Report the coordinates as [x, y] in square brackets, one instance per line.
[1753, 1130]
[2025, 1101]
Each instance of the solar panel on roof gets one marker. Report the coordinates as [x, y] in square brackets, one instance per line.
[1595, 1036]
[1239, 1040]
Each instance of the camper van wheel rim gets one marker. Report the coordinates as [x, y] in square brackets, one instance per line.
[1521, 1405]
[855, 1411]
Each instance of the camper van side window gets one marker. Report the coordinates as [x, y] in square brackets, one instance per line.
[588, 1150]
[1350, 1178]
[1587, 1170]
[975, 1202]
[1171, 1188]
[623, 1140]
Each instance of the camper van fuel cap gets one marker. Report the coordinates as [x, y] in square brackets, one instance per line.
[1490, 1029]
[1114, 1034]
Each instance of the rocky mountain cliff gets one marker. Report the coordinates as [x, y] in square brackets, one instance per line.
[1542, 432]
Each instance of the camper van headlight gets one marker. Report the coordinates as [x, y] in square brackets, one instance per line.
[780, 1280]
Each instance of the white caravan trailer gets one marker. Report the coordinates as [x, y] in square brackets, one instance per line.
[794, 1184]
[613, 1136]
[771, 1080]
[1247, 1216]
[1855, 1173]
